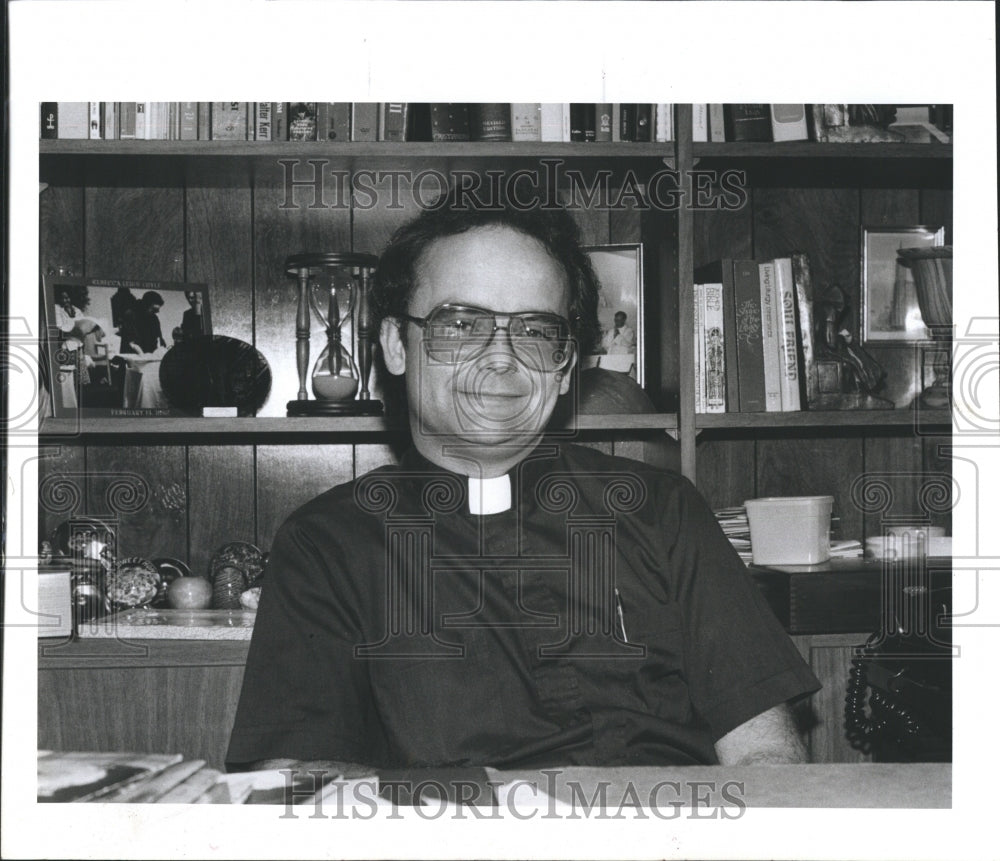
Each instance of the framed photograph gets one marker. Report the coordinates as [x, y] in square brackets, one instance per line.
[620, 348]
[889, 308]
[106, 340]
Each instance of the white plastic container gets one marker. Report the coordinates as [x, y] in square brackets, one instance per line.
[790, 530]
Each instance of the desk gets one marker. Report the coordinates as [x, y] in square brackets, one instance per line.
[864, 785]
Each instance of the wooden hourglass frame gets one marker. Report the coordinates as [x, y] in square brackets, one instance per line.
[359, 270]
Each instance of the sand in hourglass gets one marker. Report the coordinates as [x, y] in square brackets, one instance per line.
[328, 387]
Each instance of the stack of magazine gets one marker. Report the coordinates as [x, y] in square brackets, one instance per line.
[736, 528]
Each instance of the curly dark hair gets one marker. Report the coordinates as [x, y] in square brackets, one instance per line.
[555, 229]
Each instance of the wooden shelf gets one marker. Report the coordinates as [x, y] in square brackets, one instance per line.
[355, 149]
[811, 149]
[835, 418]
[118, 430]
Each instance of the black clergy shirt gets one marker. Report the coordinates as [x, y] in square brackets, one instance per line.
[604, 619]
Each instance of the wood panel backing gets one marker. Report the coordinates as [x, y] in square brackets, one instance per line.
[221, 499]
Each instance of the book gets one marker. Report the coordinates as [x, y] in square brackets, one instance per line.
[555, 123]
[578, 122]
[262, 127]
[153, 787]
[749, 346]
[229, 121]
[714, 355]
[627, 122]
[126, 120]
[716, 124]
[196, 787]
[770, 346]
[449, 121]
[616, 122]
[140, 120]
[73, 120]
[526, 121]
[602, 131]
[302, 121]
[50, 118]
[788, 123]
[364, 121]
[699, 123]
[722, 272]
[189, 121]
[279, 121]
[791, 398]
[78, 777]
[802, 277]
[489, 121]
[663, 130]
[643, 123]
[204, 121]
[110, 113]
[392, 118]
[96, 127]
[747, 122]
[338, 122]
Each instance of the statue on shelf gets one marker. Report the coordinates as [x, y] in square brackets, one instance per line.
[848, 375]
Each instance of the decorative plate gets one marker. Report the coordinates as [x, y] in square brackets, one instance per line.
[215, 371]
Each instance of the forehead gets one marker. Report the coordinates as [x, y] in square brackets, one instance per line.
[494, 267]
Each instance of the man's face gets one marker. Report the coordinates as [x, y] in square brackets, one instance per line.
[619, 320]
[493, 399]
[155, 308]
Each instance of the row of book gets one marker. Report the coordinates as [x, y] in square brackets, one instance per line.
[753, 328]
[457, 121]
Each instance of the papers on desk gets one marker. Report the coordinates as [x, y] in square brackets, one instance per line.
[736, 528]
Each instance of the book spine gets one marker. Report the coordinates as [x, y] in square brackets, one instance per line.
[699, 349]
[526, 121]
[602, 133]
[578, 122]
[204, 121]
[616, 122]
[749, 346]
[449, 121]
[141, 120]
[699, 123]
[126, 120]
[643, 123]
[804, 299]
[279, 121]
[628, 122]
[262, 121]
[364, 121]
[490, 121]
[392, 121]
[791, 400]
[96, 129]
[110, 121]
[664, 123]
[788, 123]
[770, 349]
[302, 121]
[73, 120]
[716, 124]
[229, 121]
[713, 326]
[50, 120]
[747, 122]
[339, 128]
[552, 122]
[729, 337]
[322, 121]
[589, 123]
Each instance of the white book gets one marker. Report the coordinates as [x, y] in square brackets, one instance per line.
[141, 120]
[96, 126]
[714, 355]
[663, 123]
[716, 124]
[791, 400]
[699, 123]
[73, 121]
[699, 350]
[788, 123]
[555, 122]
[769, 302]
[526, 121]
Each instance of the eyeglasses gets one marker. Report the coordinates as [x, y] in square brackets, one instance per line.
[459, 333]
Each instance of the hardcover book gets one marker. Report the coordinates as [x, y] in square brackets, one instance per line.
[110, 110]
[73, 121]
[140, 120]
[749, 344]
[699, 123]
[262, 127]
[643, 123]
[791, 399]
[96, 129]
[788, 123]
[603, 123]
[578, 122]
[204, 121]
[714, 355]
[189, 121]
[229, 121]
[555, 122]
[747, 122]
[279, 121]
[804, 298]
[126, 120]
[449, 121]
[338, 122]
[302, 121]
[699, 348]
[664, 123]
[716, 124]
[770, 314]
[627, 120]
[490, 121]
[721, 272]
[364, 121]
[526, 121]
[50, 119]
[392, 121]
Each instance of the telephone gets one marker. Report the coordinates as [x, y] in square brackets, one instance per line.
[898, 704]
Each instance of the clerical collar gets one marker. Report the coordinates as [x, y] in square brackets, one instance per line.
[489, 495]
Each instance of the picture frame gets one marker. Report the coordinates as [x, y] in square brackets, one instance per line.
[619, 269]
[106, 338]
[890, 313]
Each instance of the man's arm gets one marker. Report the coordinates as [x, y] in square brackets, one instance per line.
[770, 737]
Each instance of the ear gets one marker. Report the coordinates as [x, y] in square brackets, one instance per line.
[565, 375]
[393, 348]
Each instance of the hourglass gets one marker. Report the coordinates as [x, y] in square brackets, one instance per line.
[335, 287]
